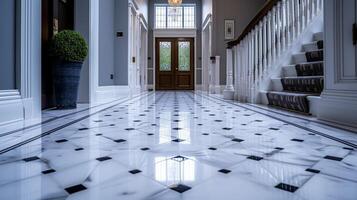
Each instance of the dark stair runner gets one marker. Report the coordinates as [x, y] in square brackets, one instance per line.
[309, 82]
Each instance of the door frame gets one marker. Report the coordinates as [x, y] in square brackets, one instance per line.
[173, 33]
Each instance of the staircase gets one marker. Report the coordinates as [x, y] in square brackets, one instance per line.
[302, 82]
[271, 62]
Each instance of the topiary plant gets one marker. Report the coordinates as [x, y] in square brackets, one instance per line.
[69, 46]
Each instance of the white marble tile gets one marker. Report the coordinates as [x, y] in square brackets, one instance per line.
[146, 134]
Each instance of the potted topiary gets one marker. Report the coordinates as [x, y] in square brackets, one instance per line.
[69, 50]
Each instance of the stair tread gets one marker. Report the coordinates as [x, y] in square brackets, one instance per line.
[304, 52]
[304, 63]
[302, 77]
[288, 93]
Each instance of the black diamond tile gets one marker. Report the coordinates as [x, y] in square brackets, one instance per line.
[200, 124]
[137, 121]
[256, 158]
[31, 159]
[274, 129]
[102, 159]
[150, 134]
[279, 148]
[130, 129]
[178, 140]
[153, 124]
[227, 129]
[218, 120]
[120, 141]
[259, 134]
[83, 129]
[347, 148]
[61, 141]
[135, 171]
[99, 134]
[333, 158]
[176, 129]
[212, 149]
[237, 140]
[75, 189]
[179, 158]
[50, 171]
[286, 187]
[297, 140]
[205, 134]
[145, 149]
[225, 171]
[180, 188]
[176, 120]
[313, 170]
[98, 121]
[79, 149]
[259, 120]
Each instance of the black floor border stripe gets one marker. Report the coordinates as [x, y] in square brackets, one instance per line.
[59, 117]
[67, 124]
[285, 121]
[300, 118]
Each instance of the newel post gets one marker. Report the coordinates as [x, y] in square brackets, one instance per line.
[228, 92]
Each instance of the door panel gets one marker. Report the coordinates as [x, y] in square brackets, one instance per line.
[174, 64]
[165, 62]
[185, 68]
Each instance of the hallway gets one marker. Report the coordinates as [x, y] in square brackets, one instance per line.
[180, 145]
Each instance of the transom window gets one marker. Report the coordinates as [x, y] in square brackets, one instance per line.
[180, 17]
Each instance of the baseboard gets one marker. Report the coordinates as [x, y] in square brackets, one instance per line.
[11, 111]
[338, 108]
[109, 93]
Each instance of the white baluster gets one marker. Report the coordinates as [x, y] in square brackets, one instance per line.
[282, 18]
[303, 16]
[265, 46]
[298, 17]
[293, 19]
[278, 29]
[274, 32]
[287, 25]
[269, 32]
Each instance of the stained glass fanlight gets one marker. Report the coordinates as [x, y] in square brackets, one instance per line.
[175, 2]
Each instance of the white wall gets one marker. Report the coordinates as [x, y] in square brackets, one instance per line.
[339, 98]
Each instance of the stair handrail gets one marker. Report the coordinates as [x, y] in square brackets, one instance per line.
[268, 6]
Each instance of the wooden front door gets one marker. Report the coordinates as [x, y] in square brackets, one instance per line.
[174, 64]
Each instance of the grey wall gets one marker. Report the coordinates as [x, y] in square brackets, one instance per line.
[206, 8]
[121, 48]
[106, 42]
[7, 44]
[242, 11]
[82, 25]
[198, 47]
